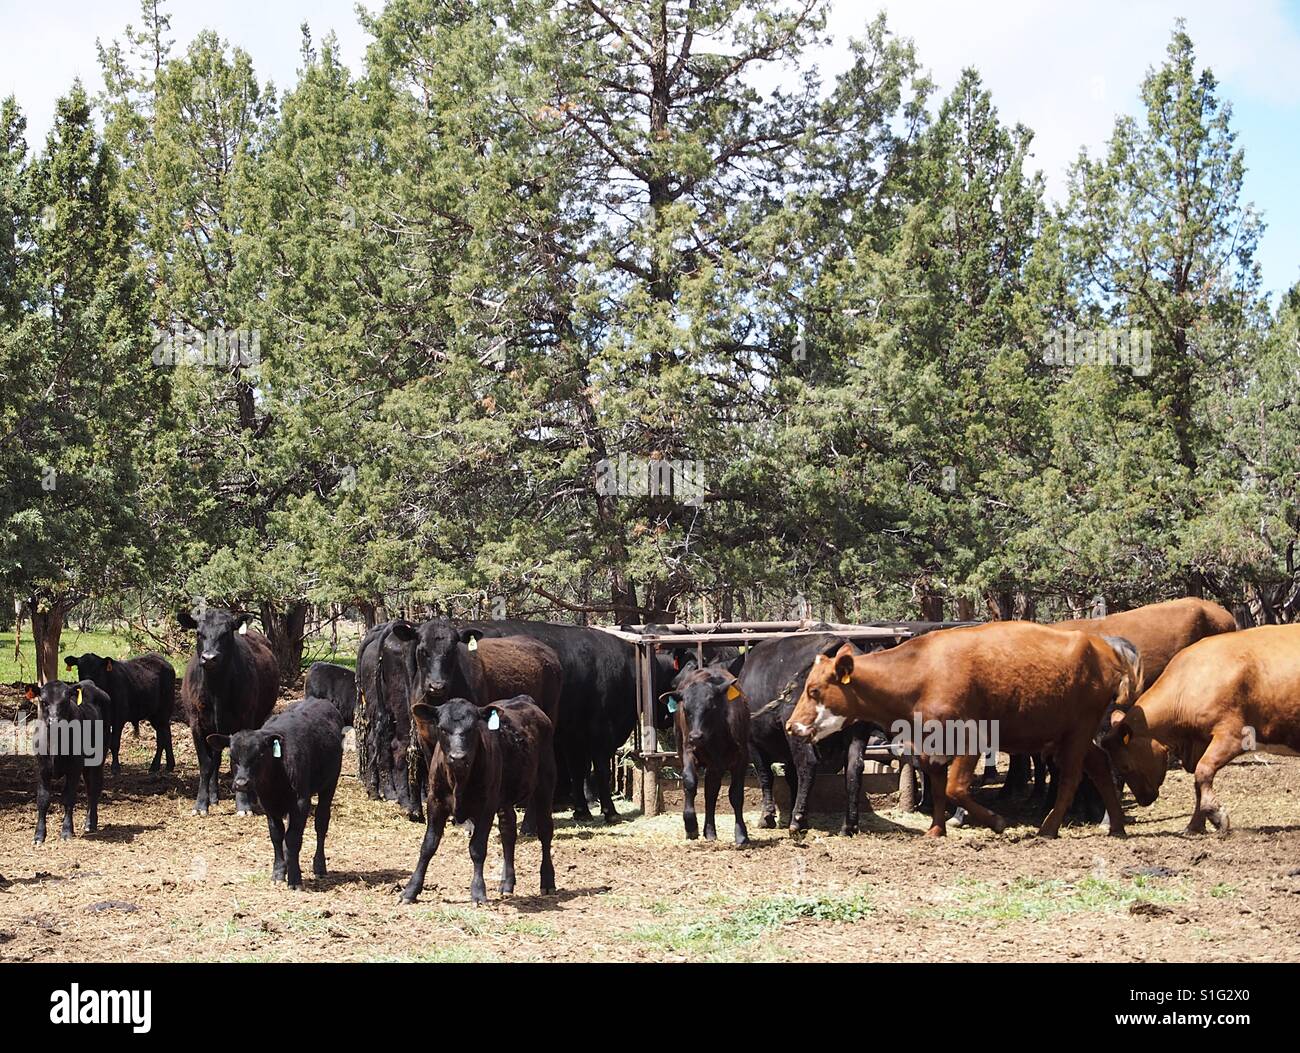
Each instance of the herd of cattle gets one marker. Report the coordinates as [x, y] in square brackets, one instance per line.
[469, 720]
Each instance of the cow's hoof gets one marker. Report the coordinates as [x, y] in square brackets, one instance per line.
[691, 835]
[848, 831]
[65, 835]
[767, 822]
[999, 824]
[38, 840]
[198, 811]
[295, 887]
[319, 871]
[742, 840]
[406, 900]
[710, 835]
[548, 890]
[581, 817]
[611, 818]
[507, 888]
[1116, 831]
[935, 831]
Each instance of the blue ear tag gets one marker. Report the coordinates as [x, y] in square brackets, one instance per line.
[473, 643]
[275, 748]
[672, 703]
[494, 720]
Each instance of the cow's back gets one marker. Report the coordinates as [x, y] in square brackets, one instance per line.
[520, 665]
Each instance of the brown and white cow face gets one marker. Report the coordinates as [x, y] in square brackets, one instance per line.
[826, 704]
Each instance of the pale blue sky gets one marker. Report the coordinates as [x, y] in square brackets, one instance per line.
[1065, 70]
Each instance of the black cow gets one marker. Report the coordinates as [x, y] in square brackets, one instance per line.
[483, 762]
[385, 672]
[230, 684]
[713, 734]
[72, 735]
[772, 680]
[142, 688]
[337, 683]
[294, 756]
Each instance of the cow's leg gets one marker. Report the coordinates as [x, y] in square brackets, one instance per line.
[604, 763]
[960, 773]
[579, 762]
[545, 831]
[763, 765]
[853, 778]
[937, 776]
[324, 806]
[206, 762]
[94, 779]
[805, 766]
[156, 763]
[70, 782]
[436, 823]
[1223, 748]
[712, 785]
[478, 854]
[1069, 770]
[293, 841]
[1040, 774]
[1017, 775]
[506, 822]
[690, 782]
[275, 825]
[990, 770]
[115, 745]
[42, 803]
[736, 795]
[1097, 767]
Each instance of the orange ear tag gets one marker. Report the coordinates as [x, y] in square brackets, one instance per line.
[733, 693]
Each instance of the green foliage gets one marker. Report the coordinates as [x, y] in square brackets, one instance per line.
[529, 242]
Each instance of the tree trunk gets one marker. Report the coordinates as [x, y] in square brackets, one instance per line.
[47, 627]
[965, 609]
[284, 631]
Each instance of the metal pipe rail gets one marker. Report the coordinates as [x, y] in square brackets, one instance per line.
[648, 639]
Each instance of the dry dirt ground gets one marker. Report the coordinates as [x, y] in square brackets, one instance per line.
[157, 884]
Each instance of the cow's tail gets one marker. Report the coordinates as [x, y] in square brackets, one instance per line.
[1131, 676]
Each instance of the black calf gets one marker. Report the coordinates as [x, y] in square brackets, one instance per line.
[294, 756]
[483, 763]
[141, 688]
[71, 738]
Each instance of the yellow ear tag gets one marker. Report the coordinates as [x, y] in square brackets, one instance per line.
[473, 643]
[78, 696]
[733, 693]
[846, 678]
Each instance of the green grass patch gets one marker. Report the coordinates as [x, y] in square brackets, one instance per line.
[732, 933]
[1039, 898]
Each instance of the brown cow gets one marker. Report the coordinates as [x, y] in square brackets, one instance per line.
[1036, 686]
[1221, 697]
[1160, 630]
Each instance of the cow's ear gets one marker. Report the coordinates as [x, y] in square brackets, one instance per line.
[471, 635]
[186, 620]
[1120, 734]
[277, 746]
[243, 618]
[403, 630]
[425, 713]
[217, 742]
[30, 693]
[844, 665]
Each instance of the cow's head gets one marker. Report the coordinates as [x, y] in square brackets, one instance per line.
[1136, 755]
[458, 727]
[251, 753]
[90, 667]
[215, 632]
[57, 700]
[826, 703]
[441, 650]
[701, 699]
